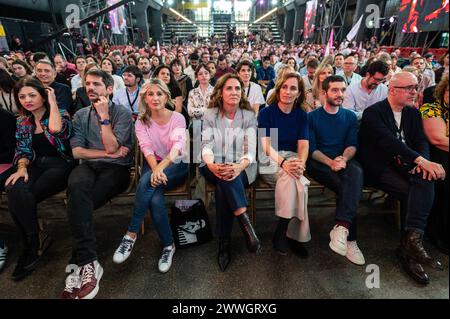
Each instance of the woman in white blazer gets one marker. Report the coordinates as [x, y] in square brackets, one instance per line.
[229, 160]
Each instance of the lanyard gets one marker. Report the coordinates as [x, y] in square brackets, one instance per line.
[8, 107]
[348, 80]
[249, 87]
[135, 98]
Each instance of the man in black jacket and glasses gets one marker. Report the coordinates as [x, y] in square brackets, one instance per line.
[394, 153]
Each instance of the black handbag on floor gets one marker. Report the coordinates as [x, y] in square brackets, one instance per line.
[190, 223]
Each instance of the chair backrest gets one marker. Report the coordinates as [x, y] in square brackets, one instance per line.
[140, 159]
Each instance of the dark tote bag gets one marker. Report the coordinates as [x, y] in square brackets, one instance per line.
[190, 223]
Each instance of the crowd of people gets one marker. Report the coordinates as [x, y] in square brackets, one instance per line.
[287, 114]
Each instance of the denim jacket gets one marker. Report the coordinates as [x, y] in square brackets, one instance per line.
[24, 137]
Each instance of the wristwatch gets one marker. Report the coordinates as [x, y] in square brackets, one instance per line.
[104, 122]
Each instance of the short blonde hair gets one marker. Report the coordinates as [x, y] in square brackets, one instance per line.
[145, 113]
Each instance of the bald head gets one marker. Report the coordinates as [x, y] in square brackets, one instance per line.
[403, 79]
[403, 89]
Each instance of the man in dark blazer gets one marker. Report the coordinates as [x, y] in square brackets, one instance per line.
[46, 74]
[394, 153]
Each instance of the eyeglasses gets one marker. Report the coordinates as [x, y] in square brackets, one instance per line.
[408, 88]
[382, 80]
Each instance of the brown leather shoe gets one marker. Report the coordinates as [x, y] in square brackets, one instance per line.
[413, 268]
[45, 241]
[412, 245]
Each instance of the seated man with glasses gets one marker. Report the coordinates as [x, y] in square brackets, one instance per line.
[368, 91]
[394, 153]
[348, 71]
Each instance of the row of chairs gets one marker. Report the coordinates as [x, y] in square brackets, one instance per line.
[186, 189]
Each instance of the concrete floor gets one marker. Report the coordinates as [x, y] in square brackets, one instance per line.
[194, 273]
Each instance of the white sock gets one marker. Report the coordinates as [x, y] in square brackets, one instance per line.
[130, 238]
[169, 247]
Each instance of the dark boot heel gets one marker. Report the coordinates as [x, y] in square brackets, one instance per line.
[224, 255]
[253, 243]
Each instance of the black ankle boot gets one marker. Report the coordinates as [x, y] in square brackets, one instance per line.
[280, 242]
[412, 245]
[224, 255]
[297, 248]
[253, 243]
[412, 268]
[28, 260]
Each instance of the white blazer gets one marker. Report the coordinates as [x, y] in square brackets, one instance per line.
[231, 143]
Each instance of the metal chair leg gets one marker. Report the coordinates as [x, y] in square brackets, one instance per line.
[398, 216]
[253, 203]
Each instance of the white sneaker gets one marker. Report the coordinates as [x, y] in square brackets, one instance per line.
[73, 283]
[338, 242]
[3, 253]
[166, 259]
[354, 254]
[124, 250]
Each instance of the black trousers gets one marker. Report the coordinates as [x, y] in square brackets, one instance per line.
[347, 184]
[437, 228]
[47, 176]
[415, 194]
[4, 176]
[91, 185]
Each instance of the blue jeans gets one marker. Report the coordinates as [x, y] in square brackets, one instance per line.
[230, 195]
[347, 184]
[149, 197]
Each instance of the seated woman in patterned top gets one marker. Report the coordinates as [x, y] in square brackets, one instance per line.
[435, 123]
[199, 97]
[43, 160]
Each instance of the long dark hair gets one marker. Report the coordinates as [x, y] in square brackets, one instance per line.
[25, 65]
[173, 84]
[6, 81]
[37, 85]
[114, 66]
